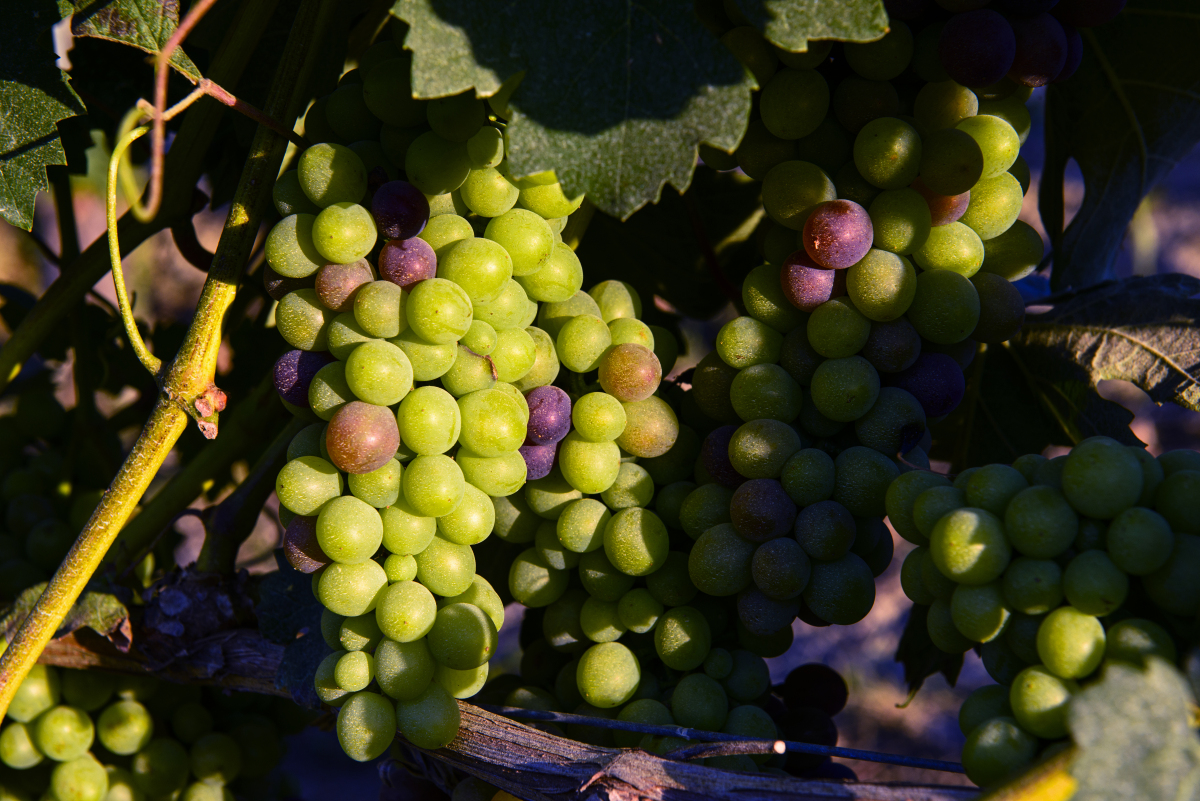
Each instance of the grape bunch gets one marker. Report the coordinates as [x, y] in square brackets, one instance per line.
[1052, 569]
[85, 735]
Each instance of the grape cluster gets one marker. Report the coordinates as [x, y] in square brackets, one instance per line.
[1052, 568]
[76, 735]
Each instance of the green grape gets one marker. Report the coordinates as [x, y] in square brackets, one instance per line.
[561, 625]
[348, 530]
[980, 612]
[1152, 475]
[951, 248]
[780, 569]
[345, 335]
[331, 629]
[305, 484]
[997, 140]
[515, 521]
[404, 669]
[351, 590]
[633, 487]
[429, 361]
[480, 266]
[497, 475]
[942, 104]
[599, 621]
[601, 579]
[445, 567]
[996, 751]
[385, 89]
[945, 309]
[616, 300]
[359, 633]
[718, 664]
[836, 329]
[1132, 641]
[553, 316]
[308, 442]
[302, 321]
[969, 546]
[682, 638]
[406, 531]
[590, 467]
[995, 204]
[765, 391]
[1139, 541]
[17, 748]
[492, 423]
[38, 691]
[808, 477]
[912, 581]
[862, 478]
[1173, 587]
[435, 165]
[598, 417]
[549, 200]
[551, 550]
[992, 487]
[87, 689]
[457, 117]
[344, 233]
[794, 102]
[544, 368]
[893, 424]
[752, 722]
[463, 637]
[951, 162]
[532, 583]
[445, 231]
[1039, 700]
[550, 495]
[882, 59]
[507, 310]
[330, 173]
[705, 507]
[720, 561]
[79, 779]
[844, 389]
[607, 675]
[366, 726]
[405, 612]
[461, 683]
[760, 151]
[639, 611]
[557, 280]
[881, 286]
[700, 702]
[433, 485]
[1093, 584]
[668, 503]
[329, 391]
[763, 296]
[841, 591]
[1028, 464]
[1015, 253]
[791, 189]
[429, 420]
[985, 703]
[1178, 500]
[514, 355]
[324, 684]
[480, 338]
[671, 584]
[488, 193]
[1179, 459]
[627, 330]
[887, 152]
[1001, 309]
[1040, 522]
[1020, 171]
[1013, 111]
[744, 342]
[582, 342]
[348, 115]
[1021, 637]
[161, 767]
[472, 521]
[438, 310]
[216, 758]
[636, 541]
[1070, 643]
[901, 499]
[1032, 586]
[901, 220]
[289, 197]
[1101, 478]
[481, 594]
[469, 373]
[761, 448]
[646, 711]
[526, 237]
[945, 635]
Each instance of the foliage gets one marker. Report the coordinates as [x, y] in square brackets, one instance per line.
[920, 657]
[101, 612]
[791, 25]
[144, 24]
[290, 615]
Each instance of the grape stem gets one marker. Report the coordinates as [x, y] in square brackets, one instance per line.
[189, 379]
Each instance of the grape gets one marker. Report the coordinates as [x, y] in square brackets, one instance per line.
[808, 476]
[599, 621]
[1039, 700]
[997, 749]
[337, 284]
[17, 749]
[764, 299]
[607, 675]
[793, 102]
[435, 165]
[780, 569]
[550, 201]
[1152, 475]
[1015, 253]
[856, 102]
[582, 342]
[761, 510]
[714, 456]
[941, 104]
[969, 546]
[945, 635]
[720, 561]
[825, 530]
[711, 382]
[1172, 587]
[345, 335]
[288, 196]
[442, 233]
[1032, 586]
[895, 424]
[482, 595]
[679, 462]
[558, 280]
[791, 190]
[892, 346]
[705, 507]
[630, 372]
[63, 733]
[347, 113]
[1001, 308]
[1070, 643]
[379, 309]
[931, 504]
[977, 47]
[549, 496]
[900, 220]
[1041, 50]
[682, 638]
[361, 438]
[998, 141]
[305, 484]
[446, 568]
[760, 448]
[995, 204]
[348, 530]
[744, 342]
[1131, 641]
[1176, 497]
[545, 362]
[80, 779]
[294, 372]
[979, 612]
[636, 541]
[828, 146]
[330, 173]
[463, 637]
[1101, 478]
[216, 757]
[553, 316]
[671, 584]
[469, 373]
[405, 262]
[912, 581]
[982, 705]
[1139, 541]
[946, 306]
[668, 503]
[472, 521]
[532, 583]
[351, 590]
[366, 725]
[1093, 584]
[763, 616]
[359, 633]
[765, 391]
[429, 420]
[161, 767]
[497, 476]
[404, 669]
[993, 486]
[438, 311]
[433, 485]
[515, 354]
[837, 233]
[37, 692]
[651, 428]
[633, 488]
[493, 424]
[302, 321]
[935, 380]
[881, 286]
[808, 285]
[845, 389]
[343, 232]
[951, 248]
[841, 591]
[883, 59]
[616, 300]
[887, 152]
[760, 150]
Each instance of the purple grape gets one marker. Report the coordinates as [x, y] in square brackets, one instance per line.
[714, 454]
[400, 210]
[300, 545]
[277, 286]
[837, 234]
[977, 48]
[892, 346]
[1041, 50]
[962, 352]
[362, 437]
[337, 284]
[762, 615]
[539, 459]
[935, 380]
[825, 530]
[1087, 13]
[817, 686]
[1074, 53]
[294, 372]
[406, 261]
[549, 415]
[761, 510]
[807, 285]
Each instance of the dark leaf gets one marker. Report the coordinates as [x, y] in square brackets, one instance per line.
[791, 24]
[1133, 736]
[920, 657]
[144, 24]
[99, 611]
[1127, 116]
[288, 614]
[35, 96]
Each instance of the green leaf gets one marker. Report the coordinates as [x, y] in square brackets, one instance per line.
[99, 611]
[144, 24]
[920, 657]
[616, 97]
[35, 96]
[1133, 738]
[1127, 116]
[791, 23]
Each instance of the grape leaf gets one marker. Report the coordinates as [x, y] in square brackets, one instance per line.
[289, 615]
[615, 97]
[791, 23]
[1039, 388]
[144, 24]
[1155, 756]
[34, 96]
[1126, 117]
[99, 611]
[920, 657]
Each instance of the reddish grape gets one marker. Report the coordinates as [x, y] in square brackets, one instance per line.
[337, 284]
[714, 453]
[278, 287]
[943, 209]
[549, 416]
[1041, 50]
[294, 372]
[838, 234]
[630, 372]
[977, 48]
[406, 261]
[362, 437]
[807, 285]
[301, 547]
[935, 380]
[761, 510]
[539, 459]
[400, 210]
